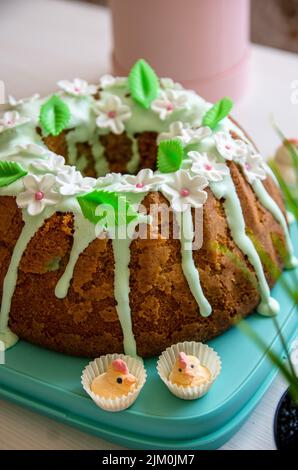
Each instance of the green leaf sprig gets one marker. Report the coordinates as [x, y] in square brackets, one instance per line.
[10, 172]
[143, 83]
[54, 116]
[170, 155]
[217, 113]
[117, 210]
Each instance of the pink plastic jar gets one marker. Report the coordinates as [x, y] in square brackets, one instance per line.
[203, 44]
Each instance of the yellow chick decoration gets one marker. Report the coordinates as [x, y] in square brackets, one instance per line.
[188, 371]
[116, 382]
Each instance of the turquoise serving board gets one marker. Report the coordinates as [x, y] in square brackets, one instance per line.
[49, 383]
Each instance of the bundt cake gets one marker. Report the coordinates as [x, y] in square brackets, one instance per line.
[133, 215]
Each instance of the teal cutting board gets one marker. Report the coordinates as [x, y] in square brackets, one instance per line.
[49, 383]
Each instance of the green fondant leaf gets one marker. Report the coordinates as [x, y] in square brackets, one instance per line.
[217, 113]
[143, 83]
[170, 155]
[115, 209]
[10, 172]
[54, 116]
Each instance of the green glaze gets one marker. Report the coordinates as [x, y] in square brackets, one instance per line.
[121, 249]
[133, 164]
[84, 234]
[189, 268]
[226, 190]
[31, 226]
[269, 203]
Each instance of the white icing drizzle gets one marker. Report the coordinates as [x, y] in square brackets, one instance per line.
[133, 164]
[226, 189]
[31, 226]
[189, 268]
[100, 162]
[84, 234]
[121, 249]
[269, 203]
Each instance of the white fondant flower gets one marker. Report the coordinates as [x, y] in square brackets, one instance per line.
[12, 119]
[72, 182]
[112, 113]
[110, 182]
[39, 193]
[108, 81]
[168, 101]
[33, 150]
[143, 181]
[229, 148]
[14, 102]
[78, 87]
[207, 166]
[185, 190]
[168, 83]
[253, 167]
[183, 132]
[52, 164]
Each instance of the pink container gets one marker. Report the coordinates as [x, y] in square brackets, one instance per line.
[203, 44]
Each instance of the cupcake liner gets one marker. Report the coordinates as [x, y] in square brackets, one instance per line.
[99, 366]
[208, 357]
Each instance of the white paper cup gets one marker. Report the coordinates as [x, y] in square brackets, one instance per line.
[208, 358]
[99, 366]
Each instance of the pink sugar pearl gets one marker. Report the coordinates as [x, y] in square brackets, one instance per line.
[112, 114]
[184, 192]
[39, 196]
[170, 107]
[228, 147]
[139, 185]
[208, 167]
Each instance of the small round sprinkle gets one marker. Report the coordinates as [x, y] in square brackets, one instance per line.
[184, 192]
[39, 196]
[112, 114]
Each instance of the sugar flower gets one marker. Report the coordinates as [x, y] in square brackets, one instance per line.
[253, 167]
[112, 113]
[72, 182]
[39, 193]
[183, 132]
[34, 150]
[168, 101]
[110, 182]
[168, 83]
[229, 148]
[78, 87]
[108, 81]
[143, 181]
[206, 165]
[12, 119]
[52, 164]
[184, 190]
[14, 102]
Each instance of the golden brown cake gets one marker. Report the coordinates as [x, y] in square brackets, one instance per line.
[67, 284]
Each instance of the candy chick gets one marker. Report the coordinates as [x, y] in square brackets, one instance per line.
[188, 371]
[116, 382]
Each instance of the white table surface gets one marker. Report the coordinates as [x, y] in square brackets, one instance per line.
[42, 41]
